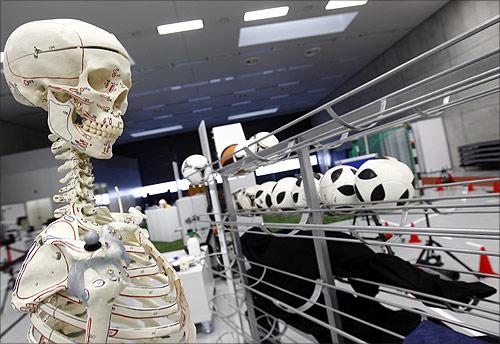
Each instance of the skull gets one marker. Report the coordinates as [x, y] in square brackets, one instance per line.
[77, 72]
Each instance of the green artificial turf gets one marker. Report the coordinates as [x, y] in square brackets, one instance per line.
[296, 219]
[167, 246]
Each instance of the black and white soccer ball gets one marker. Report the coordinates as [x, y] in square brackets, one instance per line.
[281, 195]
[385, 179]
[196, 169]
[298, 194]
[263, 198]
[262, 144]
[244, 198]
[337, 186]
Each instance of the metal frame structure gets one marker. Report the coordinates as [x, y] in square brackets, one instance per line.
[431, 96]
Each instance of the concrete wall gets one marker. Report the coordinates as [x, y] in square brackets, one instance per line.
[33, 175]
[473, 122]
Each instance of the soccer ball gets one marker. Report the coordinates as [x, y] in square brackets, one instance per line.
[242, 154]
[298, 194]
[244, 198]
[250, 193]
[196, 169]
[281, 195]
[337, 186]
[263, 198]
[262, 144]
[385, 179]
[226, 156]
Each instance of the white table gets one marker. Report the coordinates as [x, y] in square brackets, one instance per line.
[198, 284]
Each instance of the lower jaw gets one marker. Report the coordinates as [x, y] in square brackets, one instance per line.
[93, 145]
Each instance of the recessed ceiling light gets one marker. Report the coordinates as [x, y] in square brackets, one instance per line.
[294, 29]
[163, 117]
[1, 57]
[180, 27]
[156, 131]
[252, 114]
[199, 99]
[280, 96]
[334, 4]
[202, 110]
[266, 14]
[316, 90]
[154, 107]
[290, 83]
[241, 103]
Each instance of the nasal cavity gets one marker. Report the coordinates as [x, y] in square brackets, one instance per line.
[121, 102]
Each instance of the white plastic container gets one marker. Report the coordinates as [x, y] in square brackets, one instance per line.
[193, 246]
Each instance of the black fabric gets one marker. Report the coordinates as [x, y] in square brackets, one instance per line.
[349, 260]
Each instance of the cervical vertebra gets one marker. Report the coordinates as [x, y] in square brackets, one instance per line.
[90, 276]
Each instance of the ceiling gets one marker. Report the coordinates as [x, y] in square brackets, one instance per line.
[182, 78]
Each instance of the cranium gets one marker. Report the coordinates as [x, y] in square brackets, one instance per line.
[77, 72]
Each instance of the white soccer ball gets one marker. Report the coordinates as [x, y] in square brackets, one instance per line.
[281, 195]
[263, 196]
[262, 144]
[240, 200]
[196, 169]
[242, 154]
[298, 194]
[385, 179]
[244, 198]
[337, 186]
[250, 193]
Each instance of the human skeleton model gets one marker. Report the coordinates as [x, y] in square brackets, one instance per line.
[91, 276]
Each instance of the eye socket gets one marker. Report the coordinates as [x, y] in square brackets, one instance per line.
[98, 79]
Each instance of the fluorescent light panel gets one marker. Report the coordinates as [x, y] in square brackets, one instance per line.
[252, 114]
[294, 29]
[334, 4]
[156, 131]
[266, 14]
[1, 57]
[180, 27]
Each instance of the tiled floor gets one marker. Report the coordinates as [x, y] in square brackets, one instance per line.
[223, 331]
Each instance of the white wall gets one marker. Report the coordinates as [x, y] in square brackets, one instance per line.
[28, 175]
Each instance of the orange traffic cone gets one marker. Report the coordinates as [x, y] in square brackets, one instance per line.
[439, 181]
[496, 186]
[470, 187]
[414, 239]
[485, 264]
[387, 235]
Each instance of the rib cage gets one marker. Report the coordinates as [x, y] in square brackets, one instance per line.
[147, 309]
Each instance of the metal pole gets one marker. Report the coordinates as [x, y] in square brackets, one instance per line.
[212, 191]
[320, 246]
[182, 223]
[367, 148]
[175, 167]
[252, 320]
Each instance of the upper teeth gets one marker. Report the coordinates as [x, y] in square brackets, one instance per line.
[99, 129]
